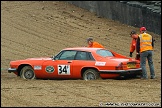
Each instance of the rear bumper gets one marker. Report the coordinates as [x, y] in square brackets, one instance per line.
[12, 70]
[122, 72]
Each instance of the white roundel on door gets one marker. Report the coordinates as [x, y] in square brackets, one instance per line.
[63, 69]
[49, 69]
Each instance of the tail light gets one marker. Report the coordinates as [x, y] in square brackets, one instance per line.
[138, 64]
[119, 67]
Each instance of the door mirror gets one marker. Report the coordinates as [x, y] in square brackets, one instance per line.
[53, 57]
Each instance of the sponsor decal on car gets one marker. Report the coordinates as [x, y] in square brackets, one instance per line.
[100, 63]
[49, 69]
[63, 69]
[37, 67]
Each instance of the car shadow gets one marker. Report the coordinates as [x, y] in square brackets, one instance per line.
[130, 77]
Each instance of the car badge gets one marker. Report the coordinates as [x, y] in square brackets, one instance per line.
[50, 69]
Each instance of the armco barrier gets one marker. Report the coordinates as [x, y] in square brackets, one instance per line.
[133, 13]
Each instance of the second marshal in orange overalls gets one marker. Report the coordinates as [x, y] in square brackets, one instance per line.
[134, 36]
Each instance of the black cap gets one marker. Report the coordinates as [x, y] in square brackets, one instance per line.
[133, 32]
[90, 38]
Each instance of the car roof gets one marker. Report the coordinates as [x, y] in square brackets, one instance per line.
[82, 48]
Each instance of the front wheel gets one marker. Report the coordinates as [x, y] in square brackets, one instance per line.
[91, 74]
[27, 72]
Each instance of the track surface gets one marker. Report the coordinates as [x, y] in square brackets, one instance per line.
[37, 28]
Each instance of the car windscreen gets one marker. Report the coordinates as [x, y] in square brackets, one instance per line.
[104, 53]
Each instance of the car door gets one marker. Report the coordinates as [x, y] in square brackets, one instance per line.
[61, 66]
[82, 60]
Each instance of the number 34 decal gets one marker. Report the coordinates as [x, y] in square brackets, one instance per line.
[64, 69]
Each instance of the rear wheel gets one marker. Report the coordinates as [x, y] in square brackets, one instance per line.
[91, 74]
[27, 72]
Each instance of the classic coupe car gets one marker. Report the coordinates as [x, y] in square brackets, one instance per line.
[77, 63]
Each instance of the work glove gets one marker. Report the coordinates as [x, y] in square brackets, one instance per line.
[130, 55]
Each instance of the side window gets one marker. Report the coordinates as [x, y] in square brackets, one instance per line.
[89, 56]
[81, 55]
[66, 55]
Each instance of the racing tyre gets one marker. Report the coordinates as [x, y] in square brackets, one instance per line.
[91, 74]
[27, 72]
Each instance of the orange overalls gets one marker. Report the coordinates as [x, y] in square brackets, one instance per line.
[95, 45]
[133, 45]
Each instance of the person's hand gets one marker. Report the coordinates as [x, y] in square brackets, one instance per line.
[137, 56]
[130, 55]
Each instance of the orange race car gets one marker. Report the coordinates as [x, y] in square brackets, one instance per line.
[77, 63]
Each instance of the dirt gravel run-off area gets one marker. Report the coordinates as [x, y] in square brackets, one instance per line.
[42, 28]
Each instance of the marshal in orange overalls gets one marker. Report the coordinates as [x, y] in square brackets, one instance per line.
[133, 44]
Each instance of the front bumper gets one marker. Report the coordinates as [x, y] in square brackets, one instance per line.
[12, 70]
[122, 72]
